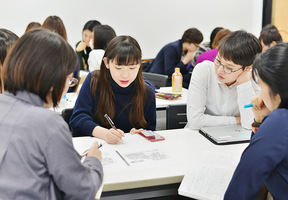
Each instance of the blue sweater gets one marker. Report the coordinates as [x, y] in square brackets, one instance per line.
[167, 60]
[264, 161]
[83, 122]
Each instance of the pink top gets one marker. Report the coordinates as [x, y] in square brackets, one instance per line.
[207, 55]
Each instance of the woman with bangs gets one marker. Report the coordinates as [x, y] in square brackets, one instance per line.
[218, 91]
[117, 90]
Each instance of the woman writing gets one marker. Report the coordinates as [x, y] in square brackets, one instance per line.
[117, 90]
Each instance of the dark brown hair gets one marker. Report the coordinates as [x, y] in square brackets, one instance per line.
[239, 47]
[219, 36]
[39, 61]
[103, 34]
[270, 35]
[32, 25]
[7, 39]
[122, 50]
[54, 23]
[192, 35]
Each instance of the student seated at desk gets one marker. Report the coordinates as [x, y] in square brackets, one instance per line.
[101, 36]
[218, 91]
[117, 90]
[177, 54]
[83, 47]
[37, 157]
[265, 160]
[269, 37]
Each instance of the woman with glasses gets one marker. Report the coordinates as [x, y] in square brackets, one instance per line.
[265, 160]
[219, 90]
[37, 157]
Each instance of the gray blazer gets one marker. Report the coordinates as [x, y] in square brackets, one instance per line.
[37, 157]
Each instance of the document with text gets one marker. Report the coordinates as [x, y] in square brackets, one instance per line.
[208, 178]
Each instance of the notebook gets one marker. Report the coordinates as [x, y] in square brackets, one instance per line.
[226, 134]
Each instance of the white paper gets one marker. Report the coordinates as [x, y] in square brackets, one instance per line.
[209, 177]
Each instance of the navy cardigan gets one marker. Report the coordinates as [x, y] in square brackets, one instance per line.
[264, 161]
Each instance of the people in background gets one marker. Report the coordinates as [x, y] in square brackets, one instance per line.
[265, 160]
[55, 24]
[32, 25]
[269, 37]
[203, 47]
[118, 90]
[101, 36]
[177, 54]
[7, 39]
[211, 54]
[83, 47]
[218, 91]
[35, 141]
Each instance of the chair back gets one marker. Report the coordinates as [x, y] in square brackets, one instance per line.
[176, 116]
[66, 114]
[159, 80]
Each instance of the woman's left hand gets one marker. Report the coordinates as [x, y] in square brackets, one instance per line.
[259, 110]
[134, 131]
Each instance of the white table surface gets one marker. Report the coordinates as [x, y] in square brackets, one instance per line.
[182, 145]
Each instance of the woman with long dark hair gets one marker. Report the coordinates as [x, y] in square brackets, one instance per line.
[118, 90]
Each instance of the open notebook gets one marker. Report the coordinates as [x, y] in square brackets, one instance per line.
[226, 134]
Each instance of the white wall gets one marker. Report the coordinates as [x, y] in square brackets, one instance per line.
[153, 23]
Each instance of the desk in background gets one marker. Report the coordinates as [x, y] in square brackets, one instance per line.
[161, 104]
[182, 146]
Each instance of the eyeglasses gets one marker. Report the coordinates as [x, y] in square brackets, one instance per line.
[72, 81]
[227, 70]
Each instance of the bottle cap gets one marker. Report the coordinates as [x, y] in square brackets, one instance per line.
[177, 69]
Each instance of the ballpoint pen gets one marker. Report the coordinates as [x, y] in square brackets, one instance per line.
[84, 154]
[111, 122]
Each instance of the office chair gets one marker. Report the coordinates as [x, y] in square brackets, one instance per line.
[66, 114]
[145, 64]
[159, 80]
[176, 116]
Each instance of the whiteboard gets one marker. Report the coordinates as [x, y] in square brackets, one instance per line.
[153, 23]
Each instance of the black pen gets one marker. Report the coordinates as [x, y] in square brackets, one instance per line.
[111, 123]
[84, 154]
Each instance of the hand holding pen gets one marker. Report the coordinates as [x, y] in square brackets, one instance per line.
[259, 109]
[94, 151]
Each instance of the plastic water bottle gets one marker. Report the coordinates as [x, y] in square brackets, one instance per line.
[177, 81]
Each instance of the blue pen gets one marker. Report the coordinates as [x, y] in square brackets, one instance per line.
[249, 105]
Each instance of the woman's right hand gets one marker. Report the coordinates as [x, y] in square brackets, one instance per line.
[95, 152]
[259, 110]
[81, 46]
[113, 136]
